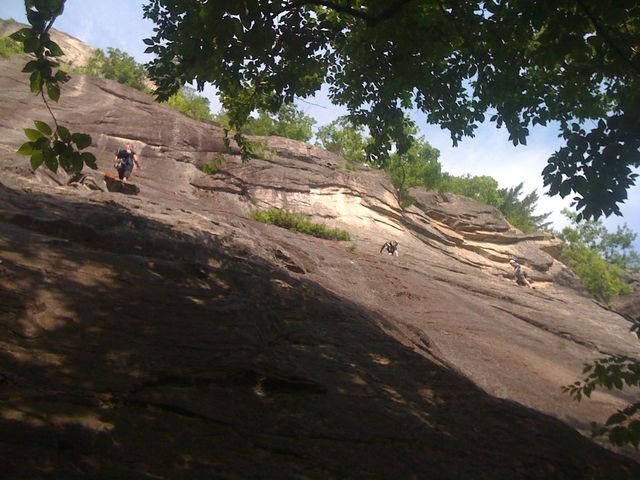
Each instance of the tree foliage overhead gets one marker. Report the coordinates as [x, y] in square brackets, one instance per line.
[522, 63]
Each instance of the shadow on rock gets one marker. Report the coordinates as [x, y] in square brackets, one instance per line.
[131, 349]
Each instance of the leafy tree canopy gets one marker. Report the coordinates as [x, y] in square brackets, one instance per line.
[522, 63]
[116, 65]
[614, 247]
[520, 211]
[482, 188]
[190, 103]
[345, 139]
[289, 121]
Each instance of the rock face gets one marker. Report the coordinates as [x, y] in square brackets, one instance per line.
[76, 52]
[168, 335]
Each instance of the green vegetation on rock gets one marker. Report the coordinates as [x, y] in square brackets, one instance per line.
[419, 167]
[598, 256]
[344, 139]
[191, 104]
[298, 222]
[9, 47]
[116, 65]
[213, 166]
[289, 122]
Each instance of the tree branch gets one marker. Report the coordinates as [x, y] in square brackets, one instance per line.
[602, 31]
[49, 108]
[372, 20]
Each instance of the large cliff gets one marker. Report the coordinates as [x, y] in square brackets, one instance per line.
[167, 335]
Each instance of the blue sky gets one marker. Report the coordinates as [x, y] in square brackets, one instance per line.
[119, 24]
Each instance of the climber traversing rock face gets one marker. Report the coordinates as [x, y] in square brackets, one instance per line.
[126, 160]
[391, 247]
[520, 275]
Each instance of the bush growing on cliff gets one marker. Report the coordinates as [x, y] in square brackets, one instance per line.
[9, 47]
[602, 279]
[289, 122]
[519, 210]
[344, 139]
[187, 101]
[116, 65]
[597, 256]
[213, 166]
[298, 222]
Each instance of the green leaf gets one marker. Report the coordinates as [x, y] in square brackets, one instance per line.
[30, 66]
[66, 157]
[61, 76]
[82, 140]
[33, 134]
[54, 49]
[50, 160]
[53, 89]
[148, 41]
[36, 81]
[89, 159]
[616, 418]
[59, 147]
[63, 133]
[634, 427]
[36, 160]
[41, 143]
[26, 149]
[43, 127]
[619, 436]
[31, 44]
[76, 161]
[21, 34]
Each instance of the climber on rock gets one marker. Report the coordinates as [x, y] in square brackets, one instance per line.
[124, 162]
[391, 247]
[521, 277]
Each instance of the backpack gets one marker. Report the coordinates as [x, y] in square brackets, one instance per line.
[124, 158]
